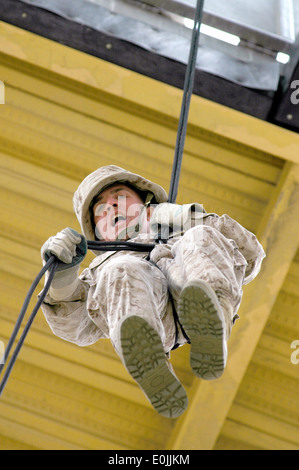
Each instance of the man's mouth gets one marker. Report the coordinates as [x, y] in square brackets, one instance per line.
[117, 219]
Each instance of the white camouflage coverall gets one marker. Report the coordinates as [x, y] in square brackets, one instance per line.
[214, 249]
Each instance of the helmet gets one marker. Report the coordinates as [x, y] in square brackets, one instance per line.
[100, 179]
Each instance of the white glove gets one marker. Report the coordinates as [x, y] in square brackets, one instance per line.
[70, 248]
[174, 218]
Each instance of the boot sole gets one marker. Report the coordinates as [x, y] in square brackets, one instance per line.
[145, 360]
[201, 317]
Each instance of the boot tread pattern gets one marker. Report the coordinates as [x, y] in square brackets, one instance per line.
[200, 319]
[145, 360]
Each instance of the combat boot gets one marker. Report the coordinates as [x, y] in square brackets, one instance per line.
[205, 318]
[143, 356]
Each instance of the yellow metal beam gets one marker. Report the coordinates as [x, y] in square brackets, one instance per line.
[38, 351]
[62, 65]
[259, 440]
[13, 429]
[211, 402]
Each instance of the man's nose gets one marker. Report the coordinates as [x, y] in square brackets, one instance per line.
[111, 202]
[116, 202]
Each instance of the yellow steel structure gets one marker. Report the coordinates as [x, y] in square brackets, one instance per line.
[67, 113]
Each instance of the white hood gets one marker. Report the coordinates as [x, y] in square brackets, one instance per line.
[99, 180]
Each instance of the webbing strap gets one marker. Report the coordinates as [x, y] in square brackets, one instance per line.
[188, 88]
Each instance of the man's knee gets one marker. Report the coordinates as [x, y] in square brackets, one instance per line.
[123, 265]
[200, 236]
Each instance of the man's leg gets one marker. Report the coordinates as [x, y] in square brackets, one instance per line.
[211, 295]
[136, 301]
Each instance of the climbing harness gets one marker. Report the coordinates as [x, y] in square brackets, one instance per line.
[53, 263]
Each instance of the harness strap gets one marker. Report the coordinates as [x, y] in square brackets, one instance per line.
[177, 322]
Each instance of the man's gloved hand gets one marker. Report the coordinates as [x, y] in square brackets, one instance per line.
[68, 246]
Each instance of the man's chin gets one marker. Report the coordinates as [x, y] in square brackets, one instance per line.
[120, 232]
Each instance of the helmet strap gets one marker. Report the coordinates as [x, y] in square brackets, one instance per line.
[136, 229]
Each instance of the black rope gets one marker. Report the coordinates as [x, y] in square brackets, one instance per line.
[53, 263]
[119, 246]
[188, 89]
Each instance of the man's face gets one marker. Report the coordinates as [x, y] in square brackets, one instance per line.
[116, 209]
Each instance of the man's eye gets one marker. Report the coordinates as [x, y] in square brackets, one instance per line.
[99, 210]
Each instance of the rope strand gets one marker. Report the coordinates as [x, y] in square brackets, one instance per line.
[188, 89]
[53, 263]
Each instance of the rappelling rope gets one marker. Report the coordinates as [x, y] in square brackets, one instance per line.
[53, 263]
[120, 246]
[188, 89]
